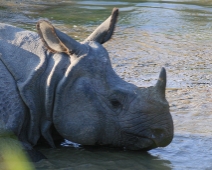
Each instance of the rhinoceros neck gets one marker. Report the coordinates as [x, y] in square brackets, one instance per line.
[48, 82]
[55, 71]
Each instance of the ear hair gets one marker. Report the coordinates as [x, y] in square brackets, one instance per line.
[41, 36]
[49, 33]
[104, 32]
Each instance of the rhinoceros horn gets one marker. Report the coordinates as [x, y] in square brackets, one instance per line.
[56, 41]
[161, 83]
[105, 31]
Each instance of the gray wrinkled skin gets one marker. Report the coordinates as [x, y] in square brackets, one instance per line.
[75, 90]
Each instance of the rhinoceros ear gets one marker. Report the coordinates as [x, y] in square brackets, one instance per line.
[105, 31]
[57, 41]
[161, 83]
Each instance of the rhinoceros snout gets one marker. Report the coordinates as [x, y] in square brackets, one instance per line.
[161, 137]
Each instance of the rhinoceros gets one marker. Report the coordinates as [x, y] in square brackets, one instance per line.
[51, 84]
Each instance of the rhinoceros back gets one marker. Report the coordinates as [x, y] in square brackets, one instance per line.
[22, 62]
[21, 51]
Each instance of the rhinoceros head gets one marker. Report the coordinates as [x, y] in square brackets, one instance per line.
[94, 106]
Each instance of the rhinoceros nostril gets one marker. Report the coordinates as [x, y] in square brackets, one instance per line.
[161, 137]
[158, 133]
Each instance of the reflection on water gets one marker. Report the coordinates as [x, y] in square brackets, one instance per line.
[101, 159]
[185, 152]
[149, 35]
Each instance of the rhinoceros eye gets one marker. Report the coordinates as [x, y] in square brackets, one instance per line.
[115, 103]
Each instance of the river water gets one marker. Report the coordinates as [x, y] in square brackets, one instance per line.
[175, 34]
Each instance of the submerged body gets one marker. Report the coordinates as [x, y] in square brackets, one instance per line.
[50, 80]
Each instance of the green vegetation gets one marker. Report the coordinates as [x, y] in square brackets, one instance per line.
[12, 156]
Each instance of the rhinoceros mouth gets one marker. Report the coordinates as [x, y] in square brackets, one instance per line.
[142, 143]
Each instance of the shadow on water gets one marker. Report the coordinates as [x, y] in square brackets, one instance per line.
[173, 34]
[92, 158]
[185, 152]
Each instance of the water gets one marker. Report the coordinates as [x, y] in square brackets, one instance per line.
[185, 152]
[149, 35]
